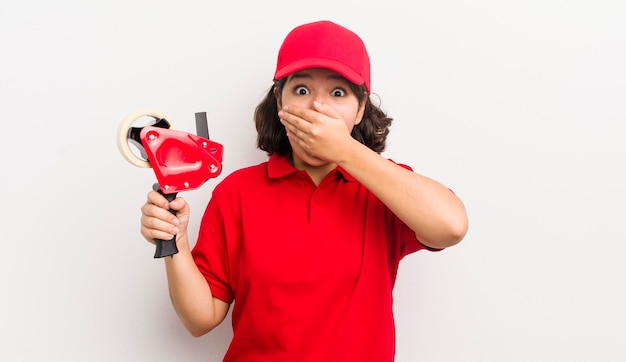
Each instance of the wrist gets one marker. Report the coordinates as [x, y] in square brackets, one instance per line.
[182, 242]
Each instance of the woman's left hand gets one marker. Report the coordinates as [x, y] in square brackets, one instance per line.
[319, 131]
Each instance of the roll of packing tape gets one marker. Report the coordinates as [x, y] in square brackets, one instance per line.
[124, 128]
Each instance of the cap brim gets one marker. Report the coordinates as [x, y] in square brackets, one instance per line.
[331, 64]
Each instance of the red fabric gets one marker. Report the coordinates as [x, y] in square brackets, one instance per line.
[324, 44]
[311, 269]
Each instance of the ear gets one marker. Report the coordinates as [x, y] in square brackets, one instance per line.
[360, 113]
[278, 98]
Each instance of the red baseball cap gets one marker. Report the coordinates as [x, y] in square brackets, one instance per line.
[324, 44]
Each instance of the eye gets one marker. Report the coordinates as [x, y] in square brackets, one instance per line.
[338, 92]
[302, 90]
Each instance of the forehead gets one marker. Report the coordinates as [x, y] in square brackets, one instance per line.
[317, 73]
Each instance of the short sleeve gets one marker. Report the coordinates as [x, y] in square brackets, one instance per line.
[406, 241]
[211, 252]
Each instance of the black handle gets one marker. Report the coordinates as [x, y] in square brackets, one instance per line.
[165, 247]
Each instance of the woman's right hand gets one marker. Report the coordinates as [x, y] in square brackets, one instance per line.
[157, 222]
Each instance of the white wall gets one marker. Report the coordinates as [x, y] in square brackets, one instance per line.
[517, 106]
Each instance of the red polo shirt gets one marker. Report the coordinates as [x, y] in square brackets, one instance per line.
[311, 269]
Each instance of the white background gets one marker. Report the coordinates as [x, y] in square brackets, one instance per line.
[519, 106]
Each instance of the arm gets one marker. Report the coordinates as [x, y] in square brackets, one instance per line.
[191, 296]
[432, 211]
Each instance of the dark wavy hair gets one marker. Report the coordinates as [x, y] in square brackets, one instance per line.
[272, 138]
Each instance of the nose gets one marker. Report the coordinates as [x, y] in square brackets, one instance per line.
[319, 97]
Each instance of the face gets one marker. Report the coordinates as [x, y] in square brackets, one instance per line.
[303, 88]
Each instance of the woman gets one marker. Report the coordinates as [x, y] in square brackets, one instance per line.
[307, 244]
